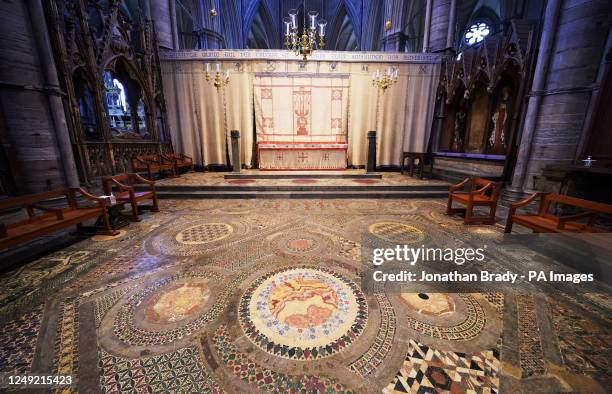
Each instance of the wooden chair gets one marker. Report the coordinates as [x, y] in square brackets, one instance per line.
[128, 194]
[180, 161]
[482, 193]
[545, 222]
[51, 219]
[418, 161]
[152, 164]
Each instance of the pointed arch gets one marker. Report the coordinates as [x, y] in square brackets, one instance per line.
[342, 36]
[261, 32]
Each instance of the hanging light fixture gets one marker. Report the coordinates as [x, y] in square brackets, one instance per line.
[304, 43]
[386, 79]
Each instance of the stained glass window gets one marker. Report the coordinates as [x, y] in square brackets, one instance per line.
[476, 33]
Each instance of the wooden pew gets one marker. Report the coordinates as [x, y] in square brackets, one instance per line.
[152, 164]
[545, 222]
[50, 220]
[127, 193]
[180, 161]
[482, 193]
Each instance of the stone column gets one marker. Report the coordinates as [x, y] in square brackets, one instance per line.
[563, 86]
[450, 32]
[235, 134]
[371, 167]
[549, 29]
[394, 40]
[427, 26]
[439, 25]
[47, 64]
[160, 13]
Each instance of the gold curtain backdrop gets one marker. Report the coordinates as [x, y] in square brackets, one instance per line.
[201, 116]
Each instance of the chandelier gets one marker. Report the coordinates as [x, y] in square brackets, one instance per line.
[386, 79]
[220, 79]
[304, 43]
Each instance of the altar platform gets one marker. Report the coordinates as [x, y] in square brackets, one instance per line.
[299, 184]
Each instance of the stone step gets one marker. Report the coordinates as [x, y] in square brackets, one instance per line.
[295, 188]
[300, 194]
[299, 175]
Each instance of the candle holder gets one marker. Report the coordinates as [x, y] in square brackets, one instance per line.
[220, 79]
[310, 39]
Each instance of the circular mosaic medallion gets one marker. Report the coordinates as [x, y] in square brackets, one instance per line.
[170, 309]
[177, 302]
[455, 317]
[204, 233]
[395, 232]
[301, 243]
[315, 308]
[433, 304]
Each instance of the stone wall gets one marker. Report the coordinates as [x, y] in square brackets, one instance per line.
[575, 60]
[29, 135]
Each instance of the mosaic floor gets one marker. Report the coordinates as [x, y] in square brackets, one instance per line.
[264, 295]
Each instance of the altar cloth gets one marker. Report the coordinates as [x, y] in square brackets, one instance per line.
[302, 156]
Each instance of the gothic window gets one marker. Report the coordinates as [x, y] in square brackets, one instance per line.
[476, 33]
[125, 106]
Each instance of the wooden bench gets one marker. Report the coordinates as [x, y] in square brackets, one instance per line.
[152, 164]
[417, 160]
[545, 222]
[126, 192]
[180, 161]
[50, 219]
[482, 193]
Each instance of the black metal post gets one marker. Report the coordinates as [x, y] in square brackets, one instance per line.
[235, 134]
[371, 167]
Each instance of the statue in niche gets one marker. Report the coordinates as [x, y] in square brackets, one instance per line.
[459, 132]
[497, 137]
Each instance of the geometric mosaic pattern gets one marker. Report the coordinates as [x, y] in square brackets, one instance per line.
[66, 345]
[106, 302]
[177, 372]
[316, 308]
[18, 338]
[530, 347]
[427, 370]
[584, 342]
[266, 379]
[203, 233]
[395, 232]
[469, 328]
[383, 342]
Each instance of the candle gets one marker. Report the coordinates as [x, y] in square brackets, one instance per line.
[207, 67]
[218, 67]
[322, 24]
[293, 18]
[312, 16]
[287, 22]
